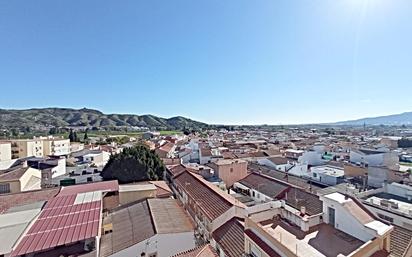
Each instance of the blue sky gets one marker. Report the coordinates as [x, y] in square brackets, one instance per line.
[232, 62]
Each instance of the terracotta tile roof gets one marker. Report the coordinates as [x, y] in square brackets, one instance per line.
[208, 200]
[201, 251]
[259, 242]
[167, 147]
[175, 169]
[264, 184]
[297, 198]
[11, 200]
[230, 238]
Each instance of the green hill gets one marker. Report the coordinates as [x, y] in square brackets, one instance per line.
[65, 117]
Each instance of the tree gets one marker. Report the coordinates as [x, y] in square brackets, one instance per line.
[134, 164]
[72, 136]
[76, 139]
[85, 135]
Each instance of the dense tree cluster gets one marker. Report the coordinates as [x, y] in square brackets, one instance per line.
[134, 164]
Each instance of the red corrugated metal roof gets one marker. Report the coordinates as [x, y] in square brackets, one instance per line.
[63, 222]
[106, 186]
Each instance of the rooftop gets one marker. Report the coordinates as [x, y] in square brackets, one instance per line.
[130, 225]
[231, 238]
[201, 251]
[266, 185]
[8, 201]
[329, 170]
[298, 198]
[169, 217]
[312, 243]
[204, 194]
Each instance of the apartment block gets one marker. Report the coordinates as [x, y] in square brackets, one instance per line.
[5, 151]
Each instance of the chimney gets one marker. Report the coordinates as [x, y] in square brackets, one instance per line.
[303, 210]
[24, 164]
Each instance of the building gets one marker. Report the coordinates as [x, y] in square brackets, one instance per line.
[22, 148]
[342, 227]
[261, 188]
[371, 157]
[19, 179]
[53, 146]
[229, 239]
[5, 151]
[139, 191]
[293, 154]
[330, 175]
[39, 147]
[13, 223]
[154, 227]
[278, 163]
[230, 171]
[209, 206]
[69, 223]
[393, 203]
[166, 150]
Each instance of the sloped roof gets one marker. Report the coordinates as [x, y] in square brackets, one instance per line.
[297, 198]
[8, 201]
[264, 184]
[13, 174]
[262, 244]
[201, 251]
[131, 225]
[212, 203]
[230, 237]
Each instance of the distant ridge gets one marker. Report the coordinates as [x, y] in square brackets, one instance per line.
[67, 117]
[395, 119]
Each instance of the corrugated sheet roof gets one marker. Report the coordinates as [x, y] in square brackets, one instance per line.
[61, 222]
[105, 186]
[130, 225]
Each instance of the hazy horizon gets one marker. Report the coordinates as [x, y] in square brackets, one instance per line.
[231, 62]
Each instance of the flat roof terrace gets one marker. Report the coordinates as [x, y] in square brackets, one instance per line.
[321, 240]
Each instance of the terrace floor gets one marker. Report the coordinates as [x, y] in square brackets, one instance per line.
[321, 240]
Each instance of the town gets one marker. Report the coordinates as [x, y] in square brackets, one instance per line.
[226, 191]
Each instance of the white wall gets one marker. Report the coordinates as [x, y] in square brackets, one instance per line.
[345, 221]
[300, 170]
[164, 244]
[400, 190]
[311, 158]
[371, 159]
[5, 152]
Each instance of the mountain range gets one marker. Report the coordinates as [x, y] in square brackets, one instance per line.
[395, 119]
[66, 117]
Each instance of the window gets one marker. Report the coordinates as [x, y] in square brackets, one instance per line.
[4, 188]
[315, 175]
[231, 169]
[153, 255]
